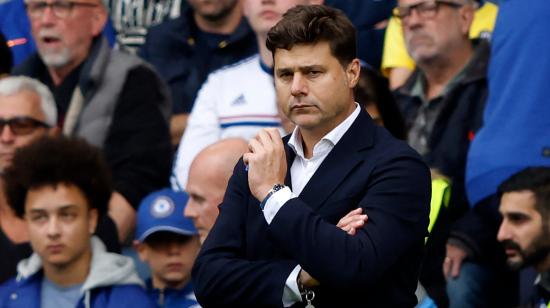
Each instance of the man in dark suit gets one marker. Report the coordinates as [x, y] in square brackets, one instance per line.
[275, 242]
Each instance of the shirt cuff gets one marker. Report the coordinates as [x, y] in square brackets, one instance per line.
[275, 202]
[291, 293]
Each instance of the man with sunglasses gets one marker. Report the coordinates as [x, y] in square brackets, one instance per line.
[442, 102]
[113, 100]
[27, 112]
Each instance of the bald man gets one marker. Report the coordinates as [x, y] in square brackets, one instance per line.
[208, 176]
[113, 100]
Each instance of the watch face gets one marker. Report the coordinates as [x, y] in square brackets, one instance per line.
[278, 187]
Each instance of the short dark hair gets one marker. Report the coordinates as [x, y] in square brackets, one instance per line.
[310, 24]
[535, 179]
[50, 161]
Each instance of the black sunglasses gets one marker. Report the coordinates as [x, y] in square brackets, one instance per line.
[22, 125]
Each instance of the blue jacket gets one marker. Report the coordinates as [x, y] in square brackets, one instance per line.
[173, 298]
[184, 61]
[112, 282]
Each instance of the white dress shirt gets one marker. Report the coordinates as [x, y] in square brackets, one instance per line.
[301, 171]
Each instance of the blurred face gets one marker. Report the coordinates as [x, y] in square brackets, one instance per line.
[524, 235]
[375, 114]
[22, 105]
[313, 89]
[63, 31]
[434, 28]
[170, 257]
[60, 223]
[213, 10]
[206, 189]
[264, 14]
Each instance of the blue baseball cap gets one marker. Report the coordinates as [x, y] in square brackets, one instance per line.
[162, 210]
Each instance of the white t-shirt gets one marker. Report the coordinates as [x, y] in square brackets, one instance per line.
[236, 101]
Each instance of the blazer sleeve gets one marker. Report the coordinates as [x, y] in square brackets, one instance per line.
[396, 200]
[222, 275]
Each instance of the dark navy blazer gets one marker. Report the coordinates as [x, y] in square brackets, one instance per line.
[245, 263]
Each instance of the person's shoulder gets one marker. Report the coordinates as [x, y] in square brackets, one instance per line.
[20, 292]
[235, 73]
[129, 295]
[6, 287]
[168, 27]
[244, 66]
[389, 148]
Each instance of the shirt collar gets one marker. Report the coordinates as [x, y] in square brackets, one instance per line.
[295, 141]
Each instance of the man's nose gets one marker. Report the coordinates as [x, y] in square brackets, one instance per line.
[299, 85]
[503, 232]
[190, 210]
[53, 227]
[6, 134]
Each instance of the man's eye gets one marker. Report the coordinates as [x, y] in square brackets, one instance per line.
[517, 219]
[62, 5]
[285, 75]
[38, 218]
[67, 215]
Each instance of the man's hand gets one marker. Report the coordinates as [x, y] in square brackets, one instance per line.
[306, 280]
[453, 261]
[123, 214]
[266, 162]
[353, 221]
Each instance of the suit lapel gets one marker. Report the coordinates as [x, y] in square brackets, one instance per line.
[290, 155]
[339, 162]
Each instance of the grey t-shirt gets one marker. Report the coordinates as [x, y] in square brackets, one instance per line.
[54, 296]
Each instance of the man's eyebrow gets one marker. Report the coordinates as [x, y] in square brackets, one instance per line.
[62, 208]
[305, 68]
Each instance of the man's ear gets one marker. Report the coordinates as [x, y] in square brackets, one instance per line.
[93, 220]
[353, 70]
[141, 250]
[99, 20]
[467, 13]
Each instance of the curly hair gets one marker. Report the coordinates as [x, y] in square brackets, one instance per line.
[50, 161]
[310, 24]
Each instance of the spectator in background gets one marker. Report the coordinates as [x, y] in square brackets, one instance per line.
[168, 243]
[398, 65]
[27, 112]
[14, 23]
[113, 100]
[442, 103]
[6, 59]
[208, 177]
[61, 187]
[514, 136]
[237, 100]
[207, 36]
[373, 93]
[370, 18]
[525, 228]
[132, 19]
